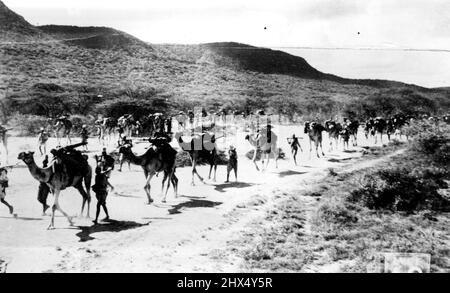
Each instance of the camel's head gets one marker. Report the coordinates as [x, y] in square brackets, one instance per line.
[27, 157]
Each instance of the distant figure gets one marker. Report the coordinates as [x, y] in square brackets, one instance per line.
[84, 136]
[295, 144]
[345, 135]
[101, 192]
[232, 163]
[3, 186]
[42, 141]
[124, 142]
[43, 190]
[107, 163]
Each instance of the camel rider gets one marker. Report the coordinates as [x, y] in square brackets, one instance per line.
[3, 186]
[73, 159]
[162, 146]
[42, 141]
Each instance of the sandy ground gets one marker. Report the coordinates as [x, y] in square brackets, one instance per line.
[186, 234]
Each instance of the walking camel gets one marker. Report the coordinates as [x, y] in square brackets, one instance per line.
[160, 159]
[314, 131]
[58, 178]
[63, 128]
[201, 146]
[266, 142]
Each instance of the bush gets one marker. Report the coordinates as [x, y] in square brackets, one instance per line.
[402, 189]
[333, 212]
[27, 125]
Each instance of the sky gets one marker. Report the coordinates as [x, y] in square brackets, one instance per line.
[388, 26]
[418, 24]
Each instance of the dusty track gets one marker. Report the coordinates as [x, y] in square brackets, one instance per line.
[187, 234]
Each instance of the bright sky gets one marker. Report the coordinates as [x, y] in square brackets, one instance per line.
[419, 24]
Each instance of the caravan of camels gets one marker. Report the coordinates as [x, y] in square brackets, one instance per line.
[197, 133]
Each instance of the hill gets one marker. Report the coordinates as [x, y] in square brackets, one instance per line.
[14, 28]
[88, 71]
[102, 38]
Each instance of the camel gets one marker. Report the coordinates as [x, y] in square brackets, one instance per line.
[267, 144]
[160, 159]
[57, 179]
[334, 129]
[200, 148]
[126, 122]
[314, 131]
[63, 128]
[107, 128]
[379, 126]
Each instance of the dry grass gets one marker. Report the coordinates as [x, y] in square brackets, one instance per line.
[320, 230]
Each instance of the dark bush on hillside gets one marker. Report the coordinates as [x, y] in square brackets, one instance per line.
[27, 124]
[436, 146]
[402, 189]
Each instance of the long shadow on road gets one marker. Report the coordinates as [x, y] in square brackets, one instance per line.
[193, 203]
[222, 187]
[110, 226]
[290, 173]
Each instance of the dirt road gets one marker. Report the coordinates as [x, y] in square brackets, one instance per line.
[186, 234]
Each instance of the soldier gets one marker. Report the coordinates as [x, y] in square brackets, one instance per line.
[84, 136]
[101, 192]
[42, 141]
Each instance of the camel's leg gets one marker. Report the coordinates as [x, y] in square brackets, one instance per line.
[310, 148]
[166, 175]
[267, 161]
[215, 171]
[170, 175]
[56, 207]
[254, 159]
[86, 199]
[147, 187]
[87, 184]
[211, 166]
[10, 207]
[194, 172]
[321, 148]
[175, 183]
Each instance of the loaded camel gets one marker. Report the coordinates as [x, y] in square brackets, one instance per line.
[266, 142]
[155, 160]
[334, 129]
[69, 170]
[201, 146]
[314, 131]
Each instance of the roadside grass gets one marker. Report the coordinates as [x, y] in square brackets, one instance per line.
[321, 230]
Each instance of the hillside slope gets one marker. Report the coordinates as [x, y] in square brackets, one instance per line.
[14, 28]
[103, 38]
[99, 70]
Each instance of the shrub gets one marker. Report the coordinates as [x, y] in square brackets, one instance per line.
[334, 212]
[401, 189]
